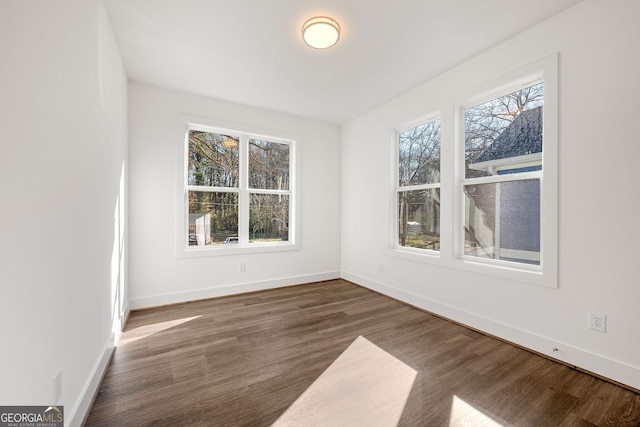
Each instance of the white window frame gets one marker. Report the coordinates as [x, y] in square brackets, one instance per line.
[452, 158]
[183, 250]
[396, 138]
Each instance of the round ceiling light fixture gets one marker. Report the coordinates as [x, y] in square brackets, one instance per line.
[321, 32]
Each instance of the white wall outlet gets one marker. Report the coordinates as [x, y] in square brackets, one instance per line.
[242, 267]
[56, 387]
[598, 322]
[381, 268]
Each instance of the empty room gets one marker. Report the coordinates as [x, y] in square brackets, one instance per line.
[319, 213]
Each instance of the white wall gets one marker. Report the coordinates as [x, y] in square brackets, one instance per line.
[157, 126]
[62, 149]
[599, 231]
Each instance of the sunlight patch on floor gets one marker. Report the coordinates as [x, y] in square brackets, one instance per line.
[463, 414]
[148, 330]
[364, 386]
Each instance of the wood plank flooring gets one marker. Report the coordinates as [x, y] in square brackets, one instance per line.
[243, 360]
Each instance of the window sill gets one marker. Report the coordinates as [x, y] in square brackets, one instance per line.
[235, 249]
[529, 274]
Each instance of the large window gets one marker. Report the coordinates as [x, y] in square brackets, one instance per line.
[238, 190]
[418, 191]
[503, 169]
[476, 188]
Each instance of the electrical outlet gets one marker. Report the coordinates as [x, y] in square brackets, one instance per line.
[598, 322]
[242, 267]
[381, 268]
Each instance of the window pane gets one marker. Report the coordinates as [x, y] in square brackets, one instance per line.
[419, 218]
[419, 155]
[213, 218]
[213, 159]
[268, 218]
[505, 135]
[268, 165]
[502, 221]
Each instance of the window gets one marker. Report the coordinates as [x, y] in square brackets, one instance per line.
[476, 188]
[503, 169]
[238, 190]
[418, 191]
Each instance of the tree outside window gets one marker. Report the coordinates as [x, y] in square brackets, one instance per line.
[238, 189]
[418, 191]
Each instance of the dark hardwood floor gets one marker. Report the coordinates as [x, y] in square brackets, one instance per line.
[242, 360]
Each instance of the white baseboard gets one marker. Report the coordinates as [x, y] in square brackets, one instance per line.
[178, 297]
[82, 407]
[582, 359]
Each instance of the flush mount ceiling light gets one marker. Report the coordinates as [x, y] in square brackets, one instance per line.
[321, 32]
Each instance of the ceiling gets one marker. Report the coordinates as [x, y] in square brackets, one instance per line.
[251, 51]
